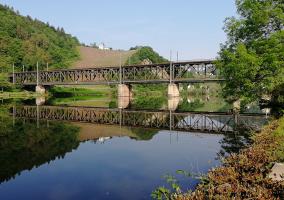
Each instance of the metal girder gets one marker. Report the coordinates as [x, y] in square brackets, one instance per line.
[191, 71]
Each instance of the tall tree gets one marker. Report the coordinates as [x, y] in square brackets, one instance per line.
[24, 41]
[252, 59]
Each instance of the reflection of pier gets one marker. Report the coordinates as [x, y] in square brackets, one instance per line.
[186, 121]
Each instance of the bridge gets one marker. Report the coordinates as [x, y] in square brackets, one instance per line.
[181, 121]
[172, 73]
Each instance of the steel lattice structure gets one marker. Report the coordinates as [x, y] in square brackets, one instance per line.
[185, 121]
[190, 72]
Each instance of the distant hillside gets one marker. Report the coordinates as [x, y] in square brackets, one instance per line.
[24, 40]
[92, 57]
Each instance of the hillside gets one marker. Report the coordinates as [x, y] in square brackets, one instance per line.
[91, 57]
[24, 41]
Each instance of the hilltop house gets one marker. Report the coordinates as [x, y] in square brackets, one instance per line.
[102, 46]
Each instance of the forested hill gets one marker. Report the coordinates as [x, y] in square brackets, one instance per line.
[24, 41]
[145, 55]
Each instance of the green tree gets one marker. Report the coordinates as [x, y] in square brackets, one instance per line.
[252, 59]
[144, 53]
[24, 41]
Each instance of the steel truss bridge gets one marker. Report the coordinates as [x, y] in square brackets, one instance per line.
[180, 121]
[175, 72]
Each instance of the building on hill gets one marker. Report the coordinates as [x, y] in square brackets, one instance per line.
[102, 46]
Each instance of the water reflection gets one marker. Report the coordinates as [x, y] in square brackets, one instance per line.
[97, 161]
[22, 147]
[189, 121]
[59, 152]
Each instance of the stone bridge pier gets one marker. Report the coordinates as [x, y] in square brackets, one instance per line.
[124, 90]
[124, 94]
[40, 100]
[123, 102]
[173, 103]
[173, 90]
[40, 89]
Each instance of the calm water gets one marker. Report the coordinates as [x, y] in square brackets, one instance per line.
[73, 160]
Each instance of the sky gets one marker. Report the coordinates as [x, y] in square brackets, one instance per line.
[194, 28]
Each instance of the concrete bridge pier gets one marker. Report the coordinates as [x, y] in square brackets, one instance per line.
[173, 103]
[40, 89]
[124, 95]
[40, 100]
[173, 90]
[123, 102]
[124, 90]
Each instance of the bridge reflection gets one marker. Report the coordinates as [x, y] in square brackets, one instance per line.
[168, 120]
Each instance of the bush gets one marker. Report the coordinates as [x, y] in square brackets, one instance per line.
[145, 53]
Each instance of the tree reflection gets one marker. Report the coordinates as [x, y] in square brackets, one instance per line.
[234, 142]
[23, 146]
[142, 134]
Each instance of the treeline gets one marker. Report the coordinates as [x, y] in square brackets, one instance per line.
[144, 54]
[26, 41]
[31, 149]
[252, 59]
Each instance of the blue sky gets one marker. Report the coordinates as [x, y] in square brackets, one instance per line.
[192, 27]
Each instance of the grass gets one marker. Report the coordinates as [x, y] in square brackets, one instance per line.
[94, 91]
[150, 90]
[18, 95]
[82, 101]
[99, 96]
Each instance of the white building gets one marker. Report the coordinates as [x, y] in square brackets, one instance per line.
[102, 46]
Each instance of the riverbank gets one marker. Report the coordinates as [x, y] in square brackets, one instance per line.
[18, 95]
[245, 175]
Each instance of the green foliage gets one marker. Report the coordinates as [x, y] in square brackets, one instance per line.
[192, 106]
[149, 96]
[145, 53]
[149, 102]
[150, 88]
[278, 96]
[24, 146]
[70, 92]
[141, 134]
[252, 60]
[4, 82]
[174, 188]
[24, 41]
[165, 193]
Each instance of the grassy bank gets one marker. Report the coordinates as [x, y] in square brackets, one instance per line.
[18, 95]
[95, 91]
[243, 175]
[149, 96]
[98, 96]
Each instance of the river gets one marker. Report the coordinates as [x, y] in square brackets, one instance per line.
[49, 152]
